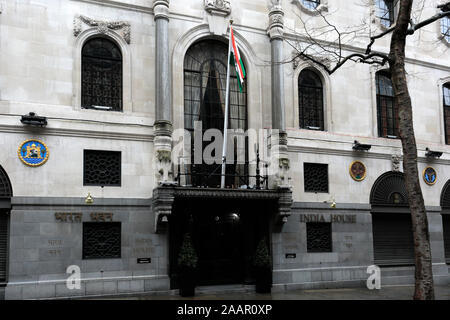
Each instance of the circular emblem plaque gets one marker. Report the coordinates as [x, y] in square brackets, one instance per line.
[358, 171]
[429, 176]
[33, 152]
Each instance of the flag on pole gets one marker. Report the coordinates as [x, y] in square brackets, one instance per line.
[236, 60]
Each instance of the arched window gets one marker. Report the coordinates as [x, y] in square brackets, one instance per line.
[310, 98]
[311, 4]
[385, 12]
[205, 70]
[101, 75]
[446, 97]
[445, 28]
[387, 112]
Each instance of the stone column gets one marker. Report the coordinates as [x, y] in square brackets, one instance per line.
[278, 145]
[163, 113]
[275, 32]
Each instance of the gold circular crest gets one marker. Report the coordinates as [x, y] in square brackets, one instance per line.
[429, 175]
[357, 171]
[33, 152]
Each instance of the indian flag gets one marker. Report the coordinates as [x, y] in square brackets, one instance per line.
[236, 60]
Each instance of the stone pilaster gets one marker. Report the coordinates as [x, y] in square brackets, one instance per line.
[163, 112]
[279, 177]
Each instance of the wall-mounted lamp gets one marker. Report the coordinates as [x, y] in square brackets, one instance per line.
[361, 147]
[33, 120]
[432, 154]
[332, 203]
[89, 199]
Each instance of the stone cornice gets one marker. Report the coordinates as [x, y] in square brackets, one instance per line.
[353, 154]
[184, 192]
[114, 135]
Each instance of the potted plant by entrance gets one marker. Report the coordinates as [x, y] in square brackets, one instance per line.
[187, 264]
[263, 268]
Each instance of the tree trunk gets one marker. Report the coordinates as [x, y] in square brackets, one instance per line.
[423, 273]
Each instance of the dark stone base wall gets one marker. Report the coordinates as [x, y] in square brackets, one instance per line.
[42, 247]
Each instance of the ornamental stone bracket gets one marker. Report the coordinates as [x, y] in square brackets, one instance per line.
[163, 152]
[163, 198]
[218, 7]
[104, 27]
[276, 20]
[216, 13]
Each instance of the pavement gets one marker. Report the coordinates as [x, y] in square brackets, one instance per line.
[404, 292]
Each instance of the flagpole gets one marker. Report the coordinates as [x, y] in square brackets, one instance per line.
[225, 121]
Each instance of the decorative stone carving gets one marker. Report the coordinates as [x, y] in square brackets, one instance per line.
[163, 198]
[279, 162]
[102, 26]
[163, 153]
[396, 163]
[297, 60]
[276, 20]
[217, 11]
[218, 7]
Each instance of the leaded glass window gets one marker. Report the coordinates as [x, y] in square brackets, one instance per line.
[102, 168]
[445, 28]
[318, 237]
[385, 12]
[387, 111]
[311, 4]
[446, 97]
[316, 177]
[205, 70]
[101, 240]
[101, 75]
[310, 96]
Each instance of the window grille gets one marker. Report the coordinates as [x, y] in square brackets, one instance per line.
[387, 111]
[101, 240]
[385, 12]
[101, 75]
[205, 70]
[316, 177]
[445, 28]
[446, 97]
[318, 236]
[310, 94]
[102, 168]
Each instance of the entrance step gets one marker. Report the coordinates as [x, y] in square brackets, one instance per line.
[224, 289]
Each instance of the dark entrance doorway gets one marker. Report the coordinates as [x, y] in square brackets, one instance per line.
[393, 243]
[225, 233]
[5, 206]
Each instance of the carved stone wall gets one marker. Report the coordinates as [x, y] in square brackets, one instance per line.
[81, 22]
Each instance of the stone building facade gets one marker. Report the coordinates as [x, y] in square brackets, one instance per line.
[115, 80]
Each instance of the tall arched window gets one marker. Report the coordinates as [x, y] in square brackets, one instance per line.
[385, 12]
[310, 98]
[205, 70]
[446, 97]
[387, 112]
[101, 75]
